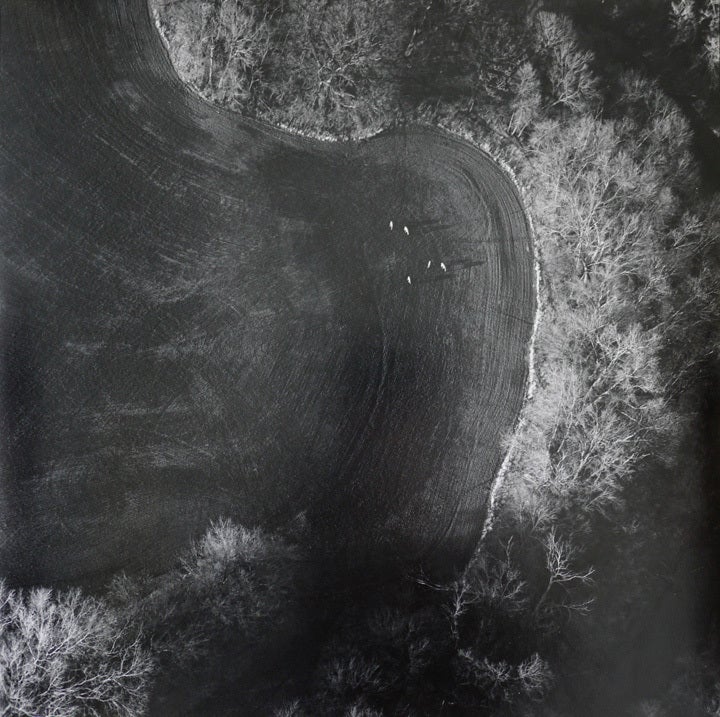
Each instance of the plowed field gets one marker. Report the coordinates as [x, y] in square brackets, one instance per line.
[203, 316]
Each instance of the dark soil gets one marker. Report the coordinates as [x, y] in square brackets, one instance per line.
[203, 316]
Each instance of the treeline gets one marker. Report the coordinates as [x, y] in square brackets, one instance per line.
[65, 653]
[240, 615]
[674, 42]
[345, 66]
[305, 62]
[609, 455]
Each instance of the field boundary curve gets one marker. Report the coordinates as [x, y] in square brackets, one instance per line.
[467, 135]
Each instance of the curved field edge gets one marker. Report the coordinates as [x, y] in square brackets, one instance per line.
[500, 154]
[197, 229]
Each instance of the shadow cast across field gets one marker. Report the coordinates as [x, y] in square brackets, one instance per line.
[221, 323]
[421, 454]
[18, 417]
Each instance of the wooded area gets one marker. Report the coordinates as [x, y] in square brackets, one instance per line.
[607, 468]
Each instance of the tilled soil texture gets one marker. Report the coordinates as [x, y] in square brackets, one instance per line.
[204, 316]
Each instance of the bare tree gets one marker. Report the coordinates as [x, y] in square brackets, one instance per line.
[501, 681]
[333, 54]
[561, 573]
[220, 48]
[710, 14]
[572, 82]
[683, 18]
[525, 104]
[699, 22]
[67, 654]
[239, 38]
[233, 584]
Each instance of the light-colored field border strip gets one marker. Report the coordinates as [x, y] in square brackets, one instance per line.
[469, 135]
[531, 382]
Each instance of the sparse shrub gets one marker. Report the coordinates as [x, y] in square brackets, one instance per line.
[64, 654]
[694, 691]
[290, 709]
[360, 710]
[352, 675]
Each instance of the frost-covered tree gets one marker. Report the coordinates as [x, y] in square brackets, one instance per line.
[220, 48]
[65, 654]
[699, 23]
[571, 82]
[526, 101]
[233, 584]
[333, 55]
